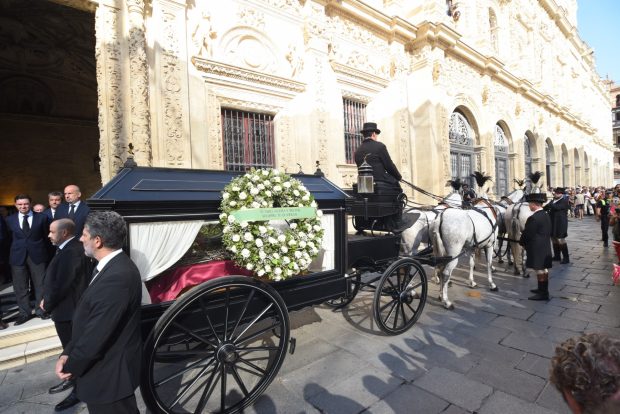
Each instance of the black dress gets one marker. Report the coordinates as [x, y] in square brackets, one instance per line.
[535, 238]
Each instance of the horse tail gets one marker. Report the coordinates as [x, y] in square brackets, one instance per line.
[438, 240]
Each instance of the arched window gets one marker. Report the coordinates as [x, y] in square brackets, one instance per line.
[501, 161]
[461, 148]
[493, 30]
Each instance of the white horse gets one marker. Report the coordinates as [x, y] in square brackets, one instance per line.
[458, 232]
[419, 233]
[505, 206]
[514, 220]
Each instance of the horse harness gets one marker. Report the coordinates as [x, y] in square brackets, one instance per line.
[484, 214]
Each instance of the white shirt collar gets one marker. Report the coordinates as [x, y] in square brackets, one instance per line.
[103, 262]
[76, 204]
[63, 244]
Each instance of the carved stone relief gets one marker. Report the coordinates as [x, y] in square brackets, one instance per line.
[249, 48]
[214, 140]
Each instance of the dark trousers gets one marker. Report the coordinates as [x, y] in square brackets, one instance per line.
[605, 227]
[21, 275]
[127, 405]
[63, 329]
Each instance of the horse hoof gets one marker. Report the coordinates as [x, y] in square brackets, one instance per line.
[493, 268]
[473, 286]
[450, 307]
[526, 276]
[494, 289]
[449, 284]
[500, 261]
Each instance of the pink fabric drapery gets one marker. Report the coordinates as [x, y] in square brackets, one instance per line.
[169, 285]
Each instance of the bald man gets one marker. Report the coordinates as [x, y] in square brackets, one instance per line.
[74, 208]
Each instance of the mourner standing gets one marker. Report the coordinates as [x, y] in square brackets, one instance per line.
[603, 207]
[54, 199]
[74, 208]
[558, 212]
[65, 280]
[28, 256]
[384, 171]
[105, 350]
[535, 239]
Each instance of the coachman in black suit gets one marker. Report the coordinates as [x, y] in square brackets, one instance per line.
[28, 255]
[558, 212]
[105, 351]
[74, 208]
[65, 281]
[535, 239]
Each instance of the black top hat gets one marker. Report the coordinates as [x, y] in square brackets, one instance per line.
[559, 190]
[536, 197]
[370, 127]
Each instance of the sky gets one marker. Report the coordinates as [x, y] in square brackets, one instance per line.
[598, 22]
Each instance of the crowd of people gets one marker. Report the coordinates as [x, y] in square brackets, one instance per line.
[71, 260]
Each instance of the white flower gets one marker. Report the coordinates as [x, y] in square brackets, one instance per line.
[233, 203]
[277, 271]
[267, 268]
[289, 272]
[293, 226]
[249, 266]
[276, 256]
[277, 278]
[255, 204]
[223, 216]
[254, 191]
[311, 244]
[316, 227]
[277, 189]
[284, 249]
[260, 272]
[226, 229]
[297, 254]
[276, 179]
[271, 240]
[295, 266]
[302, 262]
[265, 172]
[248, 236]
[264, 203]
[281, 238]
[243, 196]
[245, 253]
[311, 235]
[319, 213]
[287, 185]
[286, 260]
[296, 193]
[262, 255]
[231, 219]
[259, 243]
[262, 229]
[268, 193]
[306, 197]
[236, 238]
[236, 188]
[292, 242]
[302, 244]
[261, 186]
[244, 224]
[225, 196]
[233, 249]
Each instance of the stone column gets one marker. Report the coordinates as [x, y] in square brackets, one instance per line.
[139, 85]
[113, 142]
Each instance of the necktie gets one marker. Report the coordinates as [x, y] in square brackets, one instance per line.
[92, 276]
[72, 211]
[26, 225]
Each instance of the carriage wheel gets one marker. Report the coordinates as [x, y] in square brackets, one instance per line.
[216, 349]
[400, 296]
[353, 286]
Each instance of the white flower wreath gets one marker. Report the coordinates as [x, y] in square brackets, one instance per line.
[258, 246]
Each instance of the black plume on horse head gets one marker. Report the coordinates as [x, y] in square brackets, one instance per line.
[455, 184]
[481, 179]
[535, 176]
[520, 183]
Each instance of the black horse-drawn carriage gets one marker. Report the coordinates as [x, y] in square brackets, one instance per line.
[216, 342]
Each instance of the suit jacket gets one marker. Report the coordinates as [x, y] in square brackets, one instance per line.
[383, 169]
[66, 278]
[558, 212]
[79, 217]
[48, 213]
[535, 238]
[36, 244]
[105, 351]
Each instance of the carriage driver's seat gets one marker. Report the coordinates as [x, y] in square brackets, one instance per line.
[378, 205]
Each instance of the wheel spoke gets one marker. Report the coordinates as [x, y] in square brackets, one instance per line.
[390, 312]
[245, 307]
[396, 316]
[204, 310]
[226, 317]
[193, 335]
[253, 322]
[185, 352]
[382, 308]
[259, 348]
[256, 334]
[209, 387]
[402, 311]
[239, 381]
[188, 386]
[181, 372]
[256, 367]
[223, 389]
[412, 310]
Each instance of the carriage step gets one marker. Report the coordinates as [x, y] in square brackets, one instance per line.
[292, 345]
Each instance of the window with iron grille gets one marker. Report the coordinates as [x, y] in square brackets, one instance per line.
[248, 140]
[354, 118]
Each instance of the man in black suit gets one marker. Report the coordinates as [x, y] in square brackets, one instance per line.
[54, 199]
[28, 255]
[65, 281]
[558, 212]
[105, 350]
[74, 208]
[535, 239]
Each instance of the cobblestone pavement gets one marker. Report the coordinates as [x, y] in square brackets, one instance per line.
[490, 355]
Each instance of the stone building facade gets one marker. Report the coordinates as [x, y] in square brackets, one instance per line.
[500, 86]
[614, 94]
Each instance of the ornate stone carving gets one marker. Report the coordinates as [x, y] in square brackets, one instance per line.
[139, 83]
[202, 33]
[248, 105]
[287, 155]
[485, 94]
[251, 18]
[214, 140]
[357, 32]
[249, 48]
[290, 6]
[295, 59]
[174, 144]
[436, 71]
[230, 71]
[108, 57]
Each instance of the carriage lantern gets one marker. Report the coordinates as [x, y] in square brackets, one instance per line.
[365, 179]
